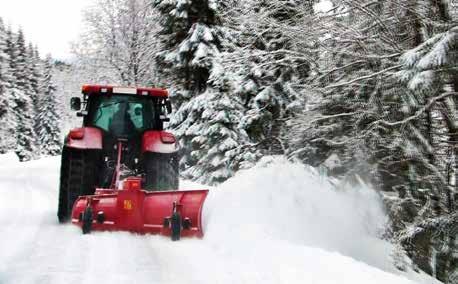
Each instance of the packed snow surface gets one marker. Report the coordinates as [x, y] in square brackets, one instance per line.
[276, 223]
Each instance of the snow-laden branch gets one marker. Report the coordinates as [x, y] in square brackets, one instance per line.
[364, 77]
[326, 117]
[428, 106]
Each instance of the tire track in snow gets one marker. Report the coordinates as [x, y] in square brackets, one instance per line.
[30, 230]
[22, 221]
[119, 258]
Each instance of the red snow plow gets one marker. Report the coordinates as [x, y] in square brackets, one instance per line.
[120, 170]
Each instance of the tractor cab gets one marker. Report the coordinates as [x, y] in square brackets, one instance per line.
[123, 112]
[122, 116]
[125, 117]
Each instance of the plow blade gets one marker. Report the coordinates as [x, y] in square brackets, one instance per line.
[169, 213]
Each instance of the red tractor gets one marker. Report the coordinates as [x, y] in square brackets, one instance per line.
[120, 170]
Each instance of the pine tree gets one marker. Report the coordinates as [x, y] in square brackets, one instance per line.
[190, 40]
[3, 62]
[210, 123]
[7, 118]
[269, 68]
[35, 77]
[385, 117]
[48, 117]
[10, 49]
[20, 71]
[25, 133]
[354, 89]
[429, 71]
[187, 37]
[34, 72]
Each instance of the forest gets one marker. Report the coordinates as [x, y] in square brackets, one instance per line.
[364, 90]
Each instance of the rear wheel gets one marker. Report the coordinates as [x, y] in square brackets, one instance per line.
[87, 220]
[62, 208]
[77, 177]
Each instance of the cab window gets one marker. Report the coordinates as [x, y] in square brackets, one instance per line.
[115, 111]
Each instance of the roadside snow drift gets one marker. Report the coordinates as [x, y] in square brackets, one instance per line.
[279, 223]
[287, 202]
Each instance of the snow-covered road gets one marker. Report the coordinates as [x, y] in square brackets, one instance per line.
[275, 224]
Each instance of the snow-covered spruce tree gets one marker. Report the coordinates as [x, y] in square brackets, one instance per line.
[430, 70]
[327, 129]
[35, 76]
[211, 123]
[10, 50]
[48, 116]
[4, 102]
[187, 41]
[353, 89]
[23, 109]
[269, 67]
[372, 125]
[190, 40]
[7, 117]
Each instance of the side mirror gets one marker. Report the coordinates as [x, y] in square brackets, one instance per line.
[75, 103]
[168, 106]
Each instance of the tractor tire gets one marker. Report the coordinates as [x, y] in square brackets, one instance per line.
[175, 226]
[62, 208]
[87, 220]
[161, 171]
[77, 177]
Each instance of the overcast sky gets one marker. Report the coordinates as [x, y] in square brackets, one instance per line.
[50, 24]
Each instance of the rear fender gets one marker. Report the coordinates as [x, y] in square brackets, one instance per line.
[84, 138]
[159, 142]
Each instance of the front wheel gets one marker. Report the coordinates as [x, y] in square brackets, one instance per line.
[175, 226]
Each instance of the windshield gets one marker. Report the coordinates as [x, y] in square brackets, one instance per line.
[123, 115]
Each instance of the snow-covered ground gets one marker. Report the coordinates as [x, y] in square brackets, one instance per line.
[279, 223]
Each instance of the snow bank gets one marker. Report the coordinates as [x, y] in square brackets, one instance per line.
[282, 223]
[289, 202]
[8, 159]
[288, 219]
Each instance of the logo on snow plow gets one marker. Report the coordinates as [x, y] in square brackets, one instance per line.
[128, 204]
